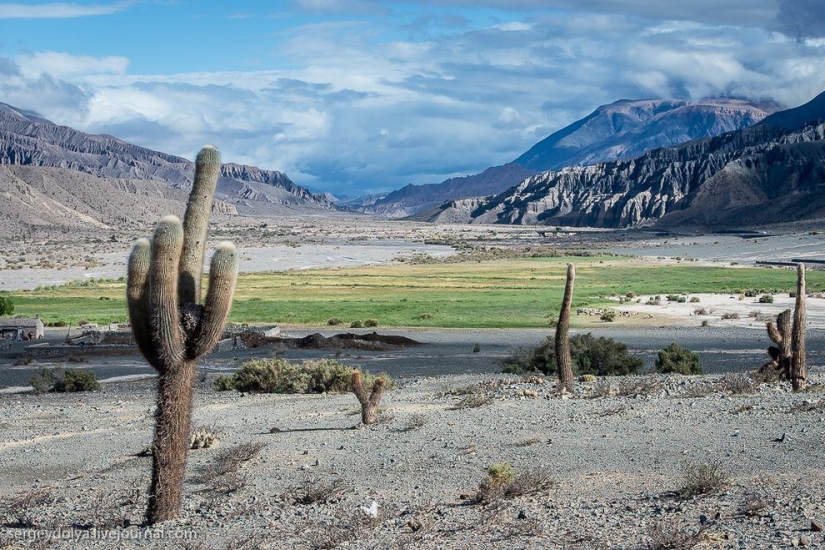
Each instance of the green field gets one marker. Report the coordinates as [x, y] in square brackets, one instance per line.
[524, 292]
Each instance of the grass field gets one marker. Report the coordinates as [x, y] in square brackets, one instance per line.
[524, 292]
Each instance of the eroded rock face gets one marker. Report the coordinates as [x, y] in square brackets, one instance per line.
[29, 140]
[622, 130]
[757, 175]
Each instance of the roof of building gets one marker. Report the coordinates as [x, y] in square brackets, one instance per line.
[23, 323]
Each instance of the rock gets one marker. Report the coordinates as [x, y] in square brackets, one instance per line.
[817, 525]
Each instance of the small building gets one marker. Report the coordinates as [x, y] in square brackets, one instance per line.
[21, 329]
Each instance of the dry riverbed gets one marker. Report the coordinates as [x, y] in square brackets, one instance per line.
[72, 468]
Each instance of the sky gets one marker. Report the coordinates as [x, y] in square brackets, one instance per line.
[361, 96]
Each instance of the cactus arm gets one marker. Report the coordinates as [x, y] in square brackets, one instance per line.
[358, 388]
[223, 273]
[774, 334]
[167, 334]
[137, 298]
[196, 223]
[377, 391]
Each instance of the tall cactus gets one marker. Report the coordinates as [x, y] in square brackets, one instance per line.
[799, 369]
[172, 328]
[564, 360]
[788, 355]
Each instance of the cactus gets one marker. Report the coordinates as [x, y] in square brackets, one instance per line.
[171, 327]
[564, 360]
[368, 404]
[788, 355]
[799, 370]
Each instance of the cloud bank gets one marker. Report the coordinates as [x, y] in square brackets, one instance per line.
[357, 112]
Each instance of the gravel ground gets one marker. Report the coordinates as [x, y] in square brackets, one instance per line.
[617, 463]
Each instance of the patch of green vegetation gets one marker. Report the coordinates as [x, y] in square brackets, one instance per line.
[510, 292]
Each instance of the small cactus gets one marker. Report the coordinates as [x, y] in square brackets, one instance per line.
[173, 329]
[788, 355]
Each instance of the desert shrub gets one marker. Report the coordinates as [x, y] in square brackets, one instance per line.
[738, 383]
[314, 491]
[371, 323]
[477, 348]
[356, 324]
[705, 323]
[694, 300]
[728, 316]
[502, 481]
[472, 401]
[43, 381]
[74, 380]
[70, 380]
[703, 478]
[766, 299]
[608, 316]
[281, 376]
[675, 358]
[333, 321]
[202, 438]
[599, 356]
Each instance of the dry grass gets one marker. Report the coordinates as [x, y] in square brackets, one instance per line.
[223, 472]
[319, 491]
[22, 509]
[668, 536]
[738, 383]
[754, 505]
[703, 478]
[472, 401]
[807, 406]
[633, 386]
[414, 422]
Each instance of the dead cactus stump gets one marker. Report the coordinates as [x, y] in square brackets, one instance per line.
[369, 405]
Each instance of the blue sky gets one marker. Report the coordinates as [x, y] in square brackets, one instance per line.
[362, 96]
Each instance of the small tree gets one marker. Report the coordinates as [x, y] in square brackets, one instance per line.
[6, 306]
[675, 358]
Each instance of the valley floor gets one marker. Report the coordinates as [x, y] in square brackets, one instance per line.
[618, 463]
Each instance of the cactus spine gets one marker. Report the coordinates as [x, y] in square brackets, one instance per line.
[171, 327]
[564, 360]
[368, 404]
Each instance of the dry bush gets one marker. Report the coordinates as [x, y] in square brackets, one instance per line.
[472, 401]
[737, 383]
[728, 316]
[639, 385]
[503, 482]
[528, 442]
[668, 536]
[698, 389]
[222, 473]
[754, 505]
[600, 389]
[531, 481]
[414, 422]
[21, 509]
[703, 478]
[807, 406]
[319, 491]
[342, 528]
[611, 411]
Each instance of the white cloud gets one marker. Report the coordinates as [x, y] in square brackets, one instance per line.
[59, 10]
[356, 113]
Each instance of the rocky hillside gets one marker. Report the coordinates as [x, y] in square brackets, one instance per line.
[622, 130]
[30, 140]
[61, 199]
[763, 174]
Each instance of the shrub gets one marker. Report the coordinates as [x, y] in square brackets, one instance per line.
[371, 323]
[57, 380]
[281, 376]
[76, 380]
[694, 300]
[675, 358]
[766, 299]
[600, 356]
[356, 324]
[334, 321]
[703, 478]
[503, 482]
[727, 316]
[6, 306]
[608, 316]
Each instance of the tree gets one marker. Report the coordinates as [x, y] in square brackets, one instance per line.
[6, 306]
[675, 358]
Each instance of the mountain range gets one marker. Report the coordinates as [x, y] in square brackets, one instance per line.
[769, 173]
[624, 129]
[27, 139]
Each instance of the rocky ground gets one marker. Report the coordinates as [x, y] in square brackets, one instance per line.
[612, 466]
